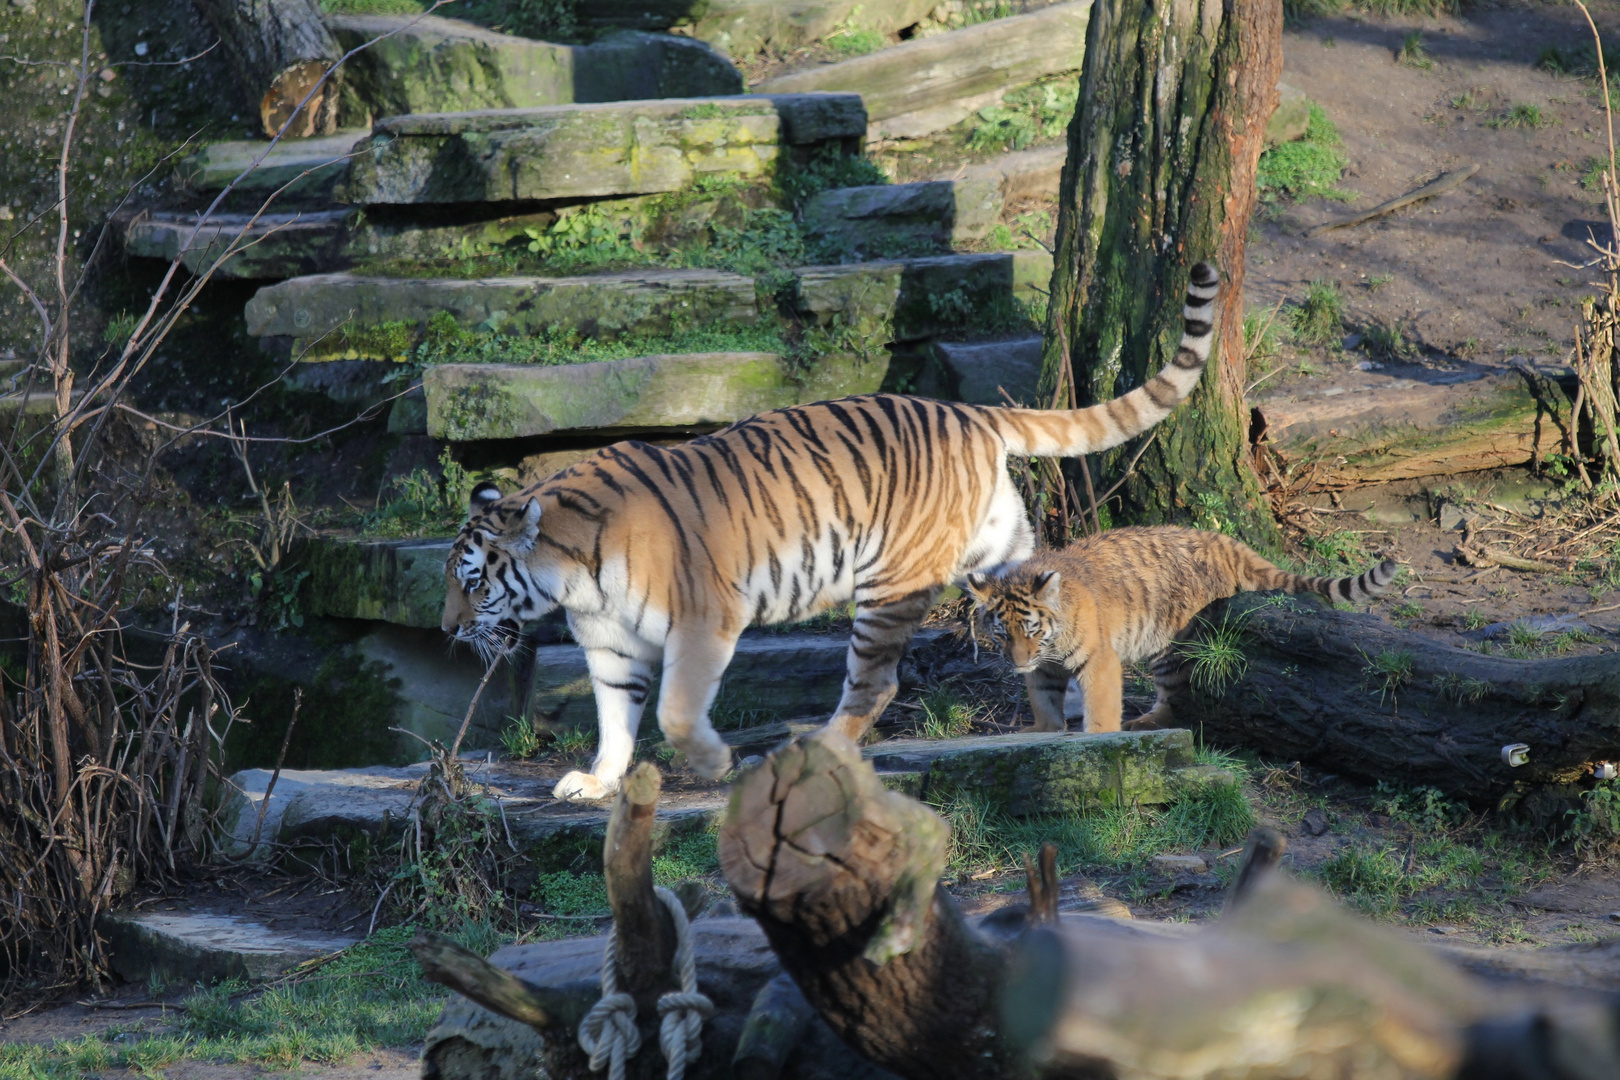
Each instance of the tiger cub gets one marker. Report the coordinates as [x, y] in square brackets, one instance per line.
[1124, 597]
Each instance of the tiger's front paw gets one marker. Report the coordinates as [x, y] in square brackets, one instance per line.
[709, 755]
[583, 786]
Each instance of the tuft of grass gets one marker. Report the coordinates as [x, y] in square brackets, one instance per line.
[1391, 669]
[1332, 552]
[1318, 319]
[421, 503]
[1593, 169]
[520, 740]
[1218, 655]
[1522, 115]
[1389, 341]
[574, 743]
[848, 41]
[1461, 688]
[1025, 116]
[1556, 60]
[1378, 281]
[1412, 53]
[946, 714]
[1307, 167]
[1410, 609]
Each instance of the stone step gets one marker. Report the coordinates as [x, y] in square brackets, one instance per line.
[882, 220]
[392, 581]
[573, 152]
[188, 946]
[467, 402]
[912, 299]
[744, 27]
[428, 64]
[928, 84]
[1018, 774]
[977, 371]
[323, 159]
[1406, 422]
[1021, 175]
[604, 306]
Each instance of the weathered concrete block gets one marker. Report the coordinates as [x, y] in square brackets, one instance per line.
[1292, 117]
[929, 84]
[884, 218]
[604, 305]
[1032, 174]
[911, 299]
[1385, 426]
[310, 166]
[431, 64]
[1057, 773]
[982, 369]
[591, 151]
[270, 246]
[206, 947]
[681, 390]
[393, 581]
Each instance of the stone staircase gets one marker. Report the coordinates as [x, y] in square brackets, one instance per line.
[541, 231]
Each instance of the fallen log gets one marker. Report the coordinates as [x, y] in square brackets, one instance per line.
[280, 49]
[842, 876]
[1438, 186]
[1354, 695]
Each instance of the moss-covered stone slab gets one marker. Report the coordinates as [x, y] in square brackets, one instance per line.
[1405, 423]
[268, 246]
[571, 152]
[912, 299]
[430, 64]
[358, 317]
[743, 27]
[932, 83]
[185, 946]
[1045, 773]
[310, 166]
[1021, 174]
[393, 581]
[1291, 117]
[679, 390]
[885, 218]
[978, 371]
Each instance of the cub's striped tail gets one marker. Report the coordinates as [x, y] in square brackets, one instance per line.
[1255, 572]
[1069, 433]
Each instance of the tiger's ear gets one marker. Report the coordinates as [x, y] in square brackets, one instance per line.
[483, 496]
[529, 527]
[978, 586]
[1048, 588]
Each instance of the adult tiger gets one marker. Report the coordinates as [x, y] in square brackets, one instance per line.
[669, 553]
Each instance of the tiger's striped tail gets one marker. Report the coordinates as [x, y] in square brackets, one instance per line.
[1071, 432]
[1349, 589]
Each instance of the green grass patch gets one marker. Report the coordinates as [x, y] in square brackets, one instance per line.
[1389, 671]
[848, 41]
[1389, 341]
[1218, 654]
[1295, 10]
[946, 714]
[1334, 552]
[1412, 53]
[1318, 319]
[1026, 116]
[826, 170]
[1307, 167]
[1522, 115]
[422, 502]
[555, 348]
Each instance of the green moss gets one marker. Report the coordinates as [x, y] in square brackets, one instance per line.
[556, 348]
[390, 340]
[1026, 116]
[828, 168]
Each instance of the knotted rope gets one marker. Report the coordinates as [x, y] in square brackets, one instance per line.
[609, 1033]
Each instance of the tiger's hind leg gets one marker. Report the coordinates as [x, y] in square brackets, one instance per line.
[621, 682]
[695, 660]
[1170, 672]
[1046, 685]
[883, 629]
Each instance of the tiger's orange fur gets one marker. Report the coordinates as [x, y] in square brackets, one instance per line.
[667, 554]
[1124, 597]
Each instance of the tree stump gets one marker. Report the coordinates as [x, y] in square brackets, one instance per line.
[1354, 695]
[1174, 100]
[281, 48]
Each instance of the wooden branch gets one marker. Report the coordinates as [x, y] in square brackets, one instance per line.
[281, 48]
[1042, 882]
[546, 1009]
[1357, 696]
[1439, 186]
[842, 874]
[775, 1024]
[642, 926]
[1479, 555]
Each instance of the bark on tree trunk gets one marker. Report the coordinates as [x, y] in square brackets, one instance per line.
[1174, 100]
[1358, 696]
[281, 49]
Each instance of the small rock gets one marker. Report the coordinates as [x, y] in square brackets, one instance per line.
[5, 212]
[1179, 864]
[1315, 822]
[750, 761]
[1454, 517]
[1614, 916]
[107, 75]
[1369, 365]
[141, 48]
[1442, 929]
[1350, 342]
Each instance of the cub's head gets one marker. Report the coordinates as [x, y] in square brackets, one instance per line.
[1023, 611]
[489, 588]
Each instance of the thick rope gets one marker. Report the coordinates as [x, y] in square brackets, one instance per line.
[609, 1033]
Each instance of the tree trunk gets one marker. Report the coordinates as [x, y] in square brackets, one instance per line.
[281, 49]
[1163, 149]
[1357, 696]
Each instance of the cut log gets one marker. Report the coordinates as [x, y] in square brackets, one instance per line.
[281, 48]
[641, 922]
[1357, 696]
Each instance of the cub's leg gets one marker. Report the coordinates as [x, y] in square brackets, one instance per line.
[1102, 685]
[695, 661]
[1046, 686]
[883, 629]
[622, 683]
[1170, 673]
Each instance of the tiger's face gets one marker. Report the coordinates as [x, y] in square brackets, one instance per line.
[489, 591]
[1023, 615]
